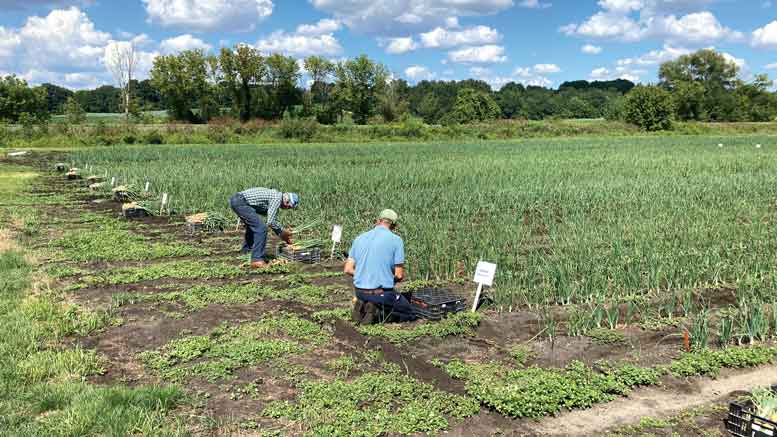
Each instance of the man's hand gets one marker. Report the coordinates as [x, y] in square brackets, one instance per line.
[286, 235]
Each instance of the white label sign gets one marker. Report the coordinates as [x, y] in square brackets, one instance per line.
[337, 233]
[113, 181]
[164, 199]
[148, 185]
[484, 273]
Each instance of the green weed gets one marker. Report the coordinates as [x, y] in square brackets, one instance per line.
[456, 324]
[373, 404]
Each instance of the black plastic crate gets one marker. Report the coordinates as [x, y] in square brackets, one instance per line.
[741, 422]
[134, 213]
[307, 256]
[434, 303]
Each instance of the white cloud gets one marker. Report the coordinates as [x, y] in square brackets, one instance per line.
[397, 46]
[534, 4]
[443, 38]
[590, 49]
[636, 20]
[209, 15]
[487, 54]
[452, 23]
[419, 72]
[655, 57]
[322, 27]
[181, 43]
[65, 47]
[620, 72]
[601, 73]
[9, 42]
[546, 69]
[389, 17]
[696, 27]
[771, 66]
[64, 38]
[299, 45]
[766, 36]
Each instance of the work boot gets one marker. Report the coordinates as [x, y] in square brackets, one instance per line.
[258, 264]
[370, 313]
[357, 313]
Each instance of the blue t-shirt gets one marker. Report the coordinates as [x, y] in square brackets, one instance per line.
[376, 253]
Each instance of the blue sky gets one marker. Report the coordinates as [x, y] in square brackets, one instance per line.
[542, 42]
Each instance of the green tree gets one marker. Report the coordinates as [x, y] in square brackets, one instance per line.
[472, 106]
[182, 81]
[74, 112]
[429, 109]
[649, 107]
[510, 100]
[360, 83]
[243, 69]
[282, 77]
[56, 97]
[393, 102]
[707, 79]
[322, 105]
[17, 98]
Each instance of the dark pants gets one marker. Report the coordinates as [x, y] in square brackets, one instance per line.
[256, 230]
[393, 306]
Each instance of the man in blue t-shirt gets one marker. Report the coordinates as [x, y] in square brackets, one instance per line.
[376, 262]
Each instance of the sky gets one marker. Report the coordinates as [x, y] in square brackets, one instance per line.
[534, 42]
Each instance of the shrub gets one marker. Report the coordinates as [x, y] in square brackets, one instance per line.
[649, 107]
[302, 129]
[154, 137]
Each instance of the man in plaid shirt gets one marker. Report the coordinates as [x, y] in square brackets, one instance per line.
[250, 205]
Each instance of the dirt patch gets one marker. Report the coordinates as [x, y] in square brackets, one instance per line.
[655, 402]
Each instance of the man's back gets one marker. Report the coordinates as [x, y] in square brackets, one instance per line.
[376, 252]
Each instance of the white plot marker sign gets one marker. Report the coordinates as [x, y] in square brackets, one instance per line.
[337, 236]
[148, 185]
[165, 199]
[484, 275]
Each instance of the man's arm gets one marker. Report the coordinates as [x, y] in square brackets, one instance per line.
[399, 273]
[272, 214]
[350, 267]
[399, 262]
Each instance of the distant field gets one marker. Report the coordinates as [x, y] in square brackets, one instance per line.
[567, 220]
[108, 117]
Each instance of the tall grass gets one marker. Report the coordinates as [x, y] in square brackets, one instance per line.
[567, 220]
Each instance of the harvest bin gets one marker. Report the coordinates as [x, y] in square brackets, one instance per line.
[434, 304]
[307, 256]
[741, 422]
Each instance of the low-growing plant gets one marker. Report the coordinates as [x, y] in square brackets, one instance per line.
[606, 336]
[457, 324]
[227, 348]
[371, 405]
[710, 362]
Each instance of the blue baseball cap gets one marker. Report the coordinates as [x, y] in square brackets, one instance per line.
[292, 199]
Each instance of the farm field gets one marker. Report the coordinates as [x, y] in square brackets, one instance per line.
[636, 292]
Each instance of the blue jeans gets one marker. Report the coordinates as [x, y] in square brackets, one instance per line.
[256, 230]
[391, 303]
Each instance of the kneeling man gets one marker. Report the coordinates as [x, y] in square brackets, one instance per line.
[376, 262]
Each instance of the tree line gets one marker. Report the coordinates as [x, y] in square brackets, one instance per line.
[241, 82]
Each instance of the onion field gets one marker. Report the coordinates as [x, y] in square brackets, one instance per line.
[568, 221]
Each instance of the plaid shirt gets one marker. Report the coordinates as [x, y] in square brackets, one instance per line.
[266, 201]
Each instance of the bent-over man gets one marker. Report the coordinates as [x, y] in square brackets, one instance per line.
[376, 262]
[250, 205]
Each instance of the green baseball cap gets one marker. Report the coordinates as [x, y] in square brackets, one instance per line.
[389, 214]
